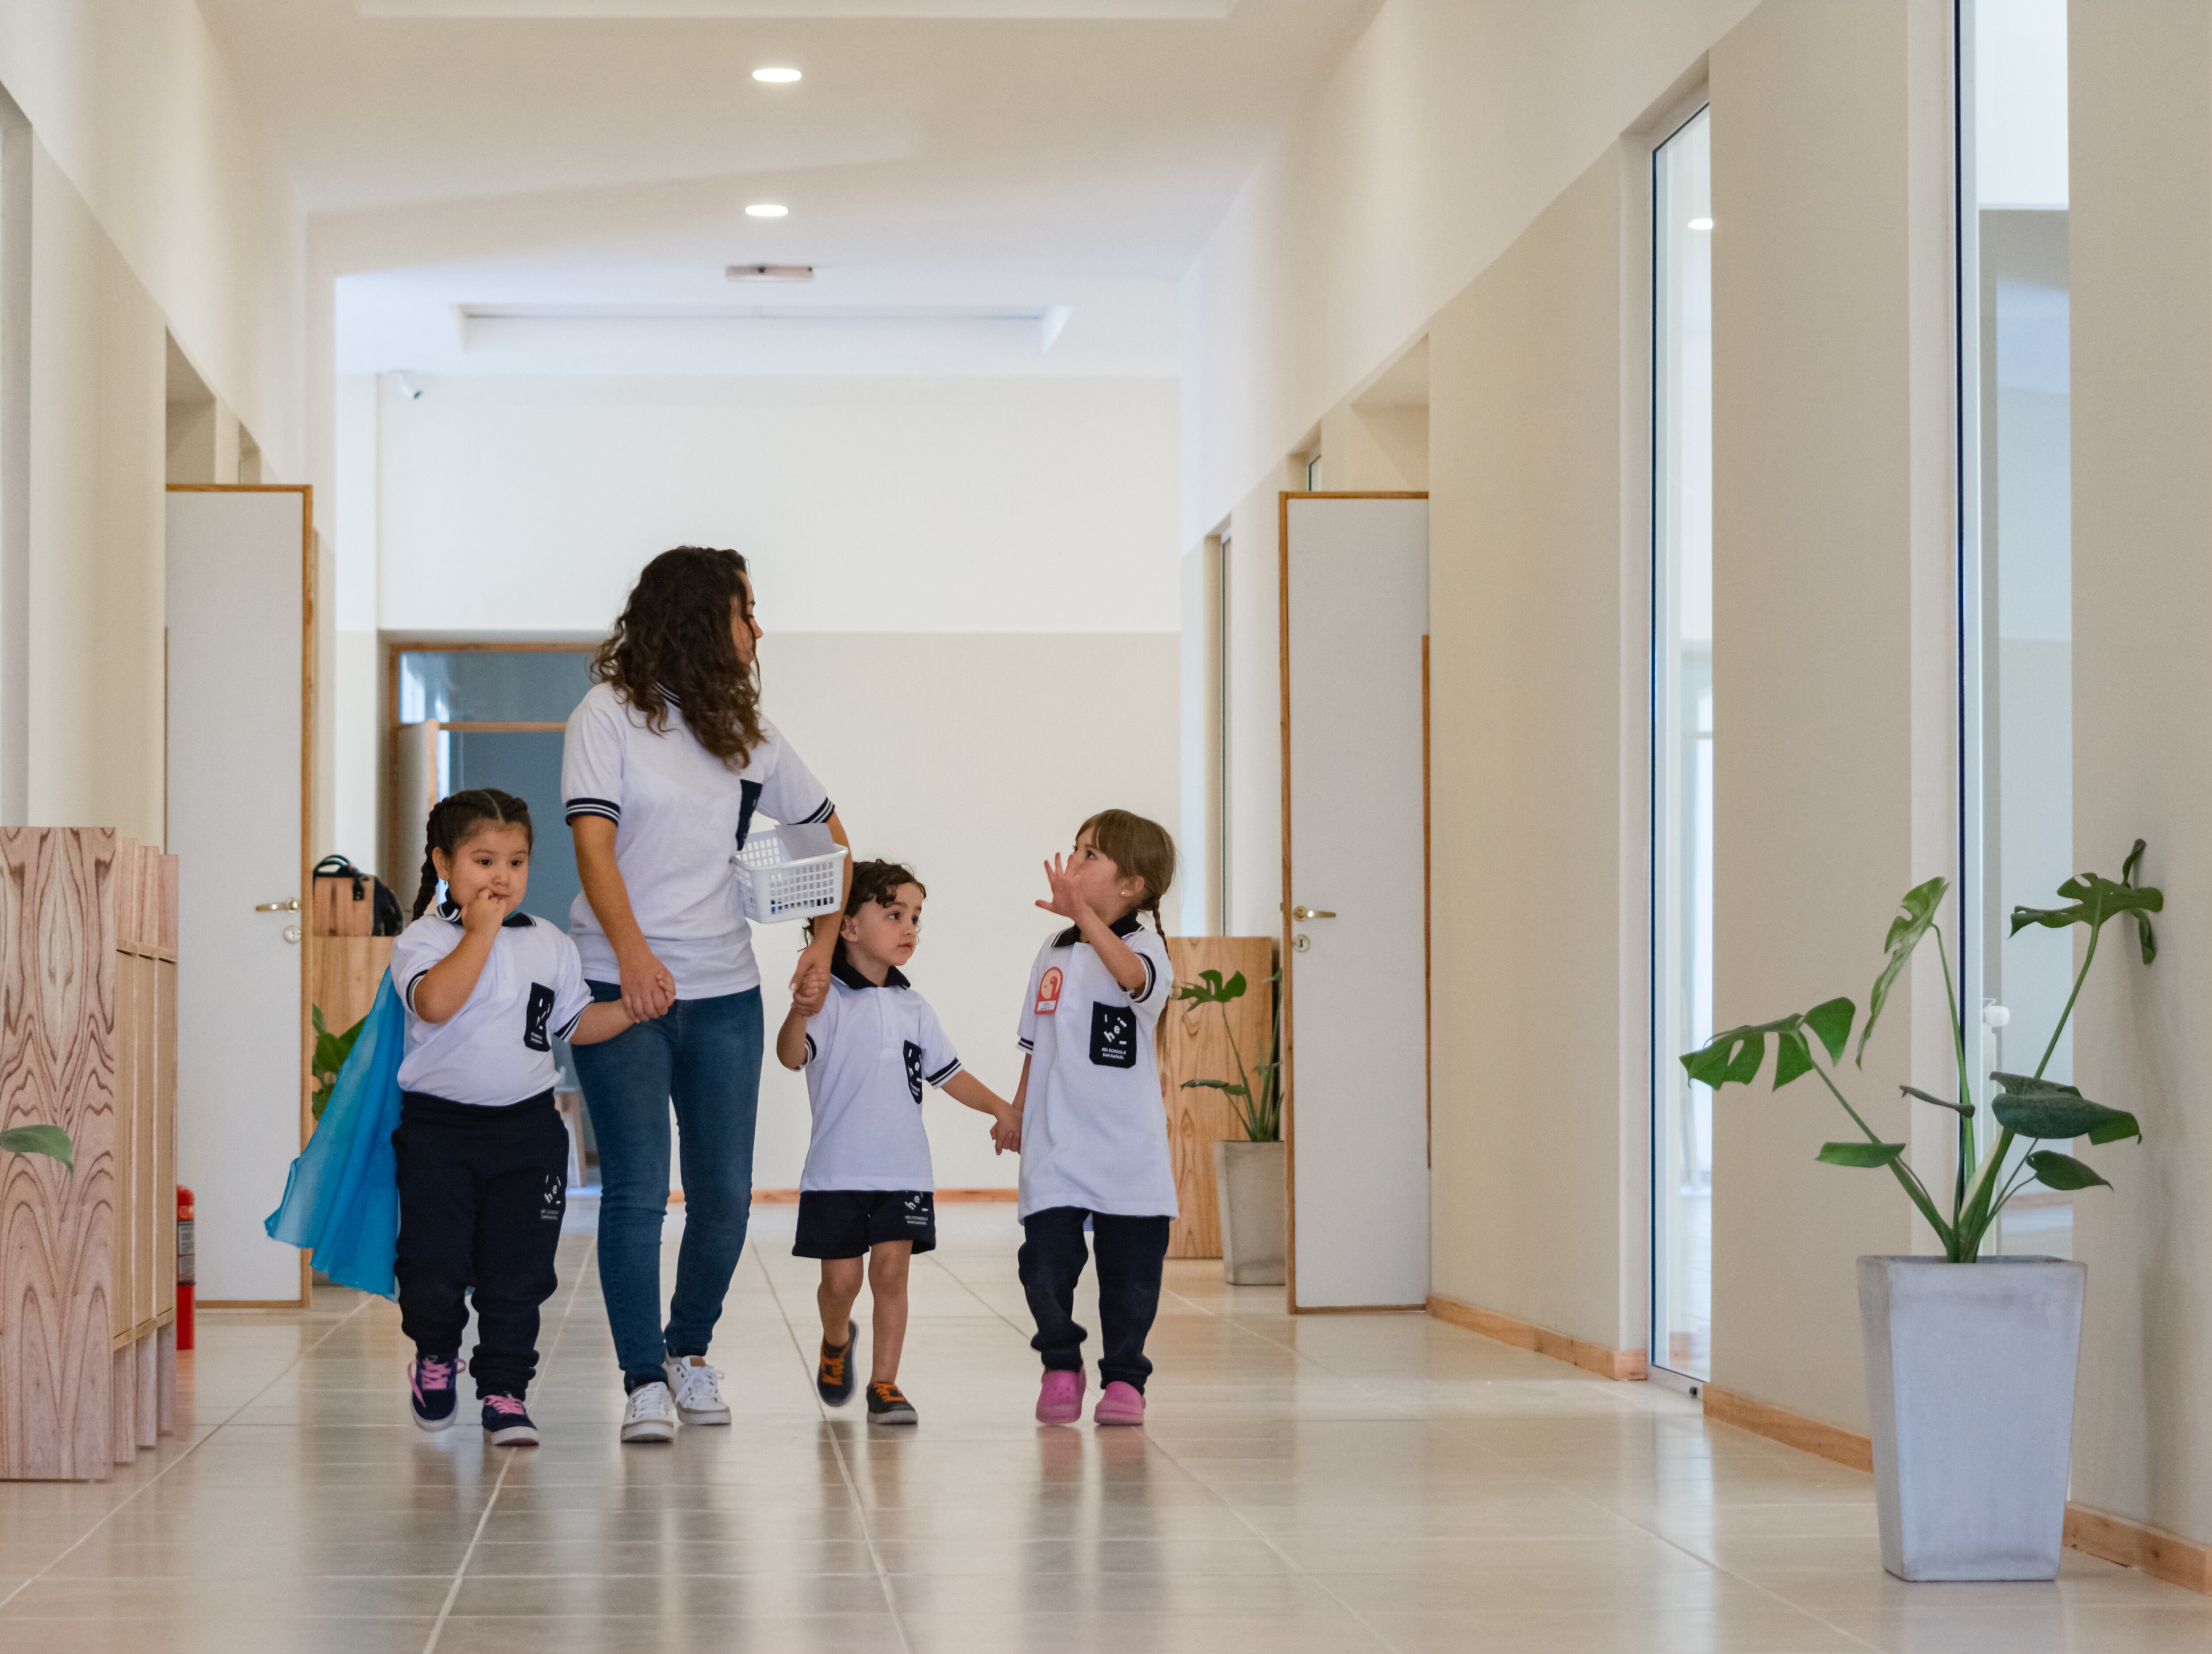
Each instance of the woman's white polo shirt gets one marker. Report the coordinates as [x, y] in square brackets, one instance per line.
[1094, 1129]
[498, 1048]
[869, 1052]
[680, 815]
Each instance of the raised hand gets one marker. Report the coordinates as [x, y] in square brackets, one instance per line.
[1066, 900]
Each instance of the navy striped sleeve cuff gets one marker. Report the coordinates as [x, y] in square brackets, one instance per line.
[1026, 1044]
[606, 807]
[1138, 995]
[822, 813]
[945, 1074]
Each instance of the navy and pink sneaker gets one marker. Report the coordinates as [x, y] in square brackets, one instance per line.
[507, 1422]
[433, 1384]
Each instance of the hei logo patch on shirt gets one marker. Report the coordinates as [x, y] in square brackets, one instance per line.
[535, 1016]
[913, 1069]
[1113, 1036]
[1047, 999]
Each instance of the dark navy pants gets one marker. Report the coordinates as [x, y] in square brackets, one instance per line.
[481, 1196]
[1130, 1253]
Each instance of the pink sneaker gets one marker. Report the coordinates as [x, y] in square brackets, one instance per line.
[1060, 1401]
[1120, 1404]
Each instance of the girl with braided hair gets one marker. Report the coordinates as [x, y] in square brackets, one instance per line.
[481, 1154]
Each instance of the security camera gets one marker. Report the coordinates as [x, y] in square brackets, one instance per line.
[408, 387]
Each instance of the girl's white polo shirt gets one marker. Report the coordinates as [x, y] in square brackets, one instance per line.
[680, 815]
[869, 1051]
[1094, 1129]
[498, 1048]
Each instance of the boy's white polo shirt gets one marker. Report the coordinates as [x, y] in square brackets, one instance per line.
[680, 815]
[869, 1051]
[498, 1048]
[1094, 1129]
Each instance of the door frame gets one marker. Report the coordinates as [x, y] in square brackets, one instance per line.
[1288, 1027]
[306, 493]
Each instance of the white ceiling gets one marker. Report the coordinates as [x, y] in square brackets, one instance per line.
[981, 186]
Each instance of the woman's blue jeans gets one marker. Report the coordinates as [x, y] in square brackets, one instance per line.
[705, 1056]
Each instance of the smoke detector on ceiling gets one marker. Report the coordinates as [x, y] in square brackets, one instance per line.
[769, 273]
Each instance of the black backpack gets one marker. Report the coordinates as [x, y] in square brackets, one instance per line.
[385, 919]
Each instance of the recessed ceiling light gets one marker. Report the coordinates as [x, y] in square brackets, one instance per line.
[766, 209]
[1701, 223]
[776, 76]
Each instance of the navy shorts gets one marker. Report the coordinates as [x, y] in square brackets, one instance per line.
[843, 1223]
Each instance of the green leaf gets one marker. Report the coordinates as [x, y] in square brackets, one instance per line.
[2045, 1109]
[50, 1141]
[1831, 1020]
[1733, 1056]
[1792, 1056]
[1234, 990]
[1859, 1154]
[2055, 1170]
[2092, 899]
[1228, 1085]
[1918, 914]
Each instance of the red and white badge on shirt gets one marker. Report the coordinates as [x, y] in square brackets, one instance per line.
[1047, 999]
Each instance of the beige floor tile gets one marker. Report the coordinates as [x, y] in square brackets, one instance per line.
[1324, 1486]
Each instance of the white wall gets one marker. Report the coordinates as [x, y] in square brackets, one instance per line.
[896, 506]
[133, 101]
[153, 203]
[1447, 128]
[966, 758]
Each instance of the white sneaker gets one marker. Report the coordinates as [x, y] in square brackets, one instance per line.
[698, 1390]
[650, 1416]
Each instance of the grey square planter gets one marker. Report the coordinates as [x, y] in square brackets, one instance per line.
[1249, 1180]
[1970, 1381]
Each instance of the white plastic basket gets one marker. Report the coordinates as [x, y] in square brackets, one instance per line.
[788, 872]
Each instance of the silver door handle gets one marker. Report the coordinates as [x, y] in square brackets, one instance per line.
[1311, 913]
[292, 906]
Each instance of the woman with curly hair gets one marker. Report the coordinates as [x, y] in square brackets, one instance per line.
[667, 759]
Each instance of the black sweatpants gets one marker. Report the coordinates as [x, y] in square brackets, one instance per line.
[1130, 1253]
[481, 1196]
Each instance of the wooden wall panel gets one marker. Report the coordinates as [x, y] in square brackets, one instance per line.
[57, 1066]
[1192, 1045]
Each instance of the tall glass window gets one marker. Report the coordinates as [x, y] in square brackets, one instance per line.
[1682, 746]
[2015, 386]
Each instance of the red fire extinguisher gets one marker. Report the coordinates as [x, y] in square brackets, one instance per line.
[187, 1272]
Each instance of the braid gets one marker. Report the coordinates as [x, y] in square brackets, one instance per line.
[429, 887]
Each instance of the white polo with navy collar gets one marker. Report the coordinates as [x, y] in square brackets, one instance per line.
[869, 1051]
[498, 1048]
[680, 815]
[1094, 1129]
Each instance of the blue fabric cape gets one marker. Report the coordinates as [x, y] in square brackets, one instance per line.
[342, 1200]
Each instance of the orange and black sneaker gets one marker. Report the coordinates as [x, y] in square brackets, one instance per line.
[886, 1406]
[833, 1378]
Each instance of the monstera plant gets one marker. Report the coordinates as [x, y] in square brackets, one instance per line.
[2025, 1106]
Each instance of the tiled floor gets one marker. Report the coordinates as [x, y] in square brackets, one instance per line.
[1325, 1484]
